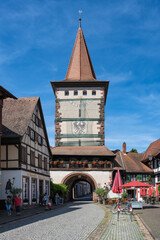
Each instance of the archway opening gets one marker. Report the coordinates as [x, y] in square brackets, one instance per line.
[80, 185]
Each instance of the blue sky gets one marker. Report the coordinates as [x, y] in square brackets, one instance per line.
[123, 38]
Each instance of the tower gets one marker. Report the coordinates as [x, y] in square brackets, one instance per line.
[80, 101]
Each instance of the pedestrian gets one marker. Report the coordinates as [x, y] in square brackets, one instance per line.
[17, 203]
[56, 198]
[49, 203]
[8, 203]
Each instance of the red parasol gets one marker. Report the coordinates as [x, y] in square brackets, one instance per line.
[117, 183]
[136, 184]
[141, 191]
[157, 192]
[150, 192]
[144, 191]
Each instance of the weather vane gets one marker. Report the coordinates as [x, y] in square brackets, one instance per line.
[80, 12]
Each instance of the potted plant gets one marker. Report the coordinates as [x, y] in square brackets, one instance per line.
[77, 162]
[50, 163]
[72, 162]
[34, 200]
[94, 163]
[80, 163]
[25, 201]
[108, 163]
[61, 162]
[101, 162]
[85, 163]
[55, 163]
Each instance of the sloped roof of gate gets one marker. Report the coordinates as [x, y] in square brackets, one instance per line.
[83, 151]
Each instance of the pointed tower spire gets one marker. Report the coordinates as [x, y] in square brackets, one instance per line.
[80, 66]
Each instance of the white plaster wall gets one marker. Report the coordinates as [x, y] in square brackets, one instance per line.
[101, 177]
[17, 174]
[61, 93]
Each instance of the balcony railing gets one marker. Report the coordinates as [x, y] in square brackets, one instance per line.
[80, 164]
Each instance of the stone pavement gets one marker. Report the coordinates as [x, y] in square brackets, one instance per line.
[124, 229]
[150, 214]
[73, 221]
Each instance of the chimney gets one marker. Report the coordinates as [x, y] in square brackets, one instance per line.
[124, 147]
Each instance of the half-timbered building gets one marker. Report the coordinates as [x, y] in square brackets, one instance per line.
[25, 150]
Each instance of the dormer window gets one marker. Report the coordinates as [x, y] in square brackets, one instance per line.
[84, 92]
[66, 93]
[94, 92]
[75, 93]
[32, 135]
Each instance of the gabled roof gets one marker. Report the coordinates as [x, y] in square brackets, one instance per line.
[153, 149]
[16, 113]
[82, 151]
[16, 117]
[80, 66]
[131, 162]
[5, 94]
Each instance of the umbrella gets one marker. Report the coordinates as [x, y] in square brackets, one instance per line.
[157, 192]
[117, 183]
[150, 192]
[144, 191]
[141, 191]
[136, 184]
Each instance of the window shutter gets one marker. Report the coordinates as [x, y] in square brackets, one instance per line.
[32, 158]
[24, 154]
[39, 161]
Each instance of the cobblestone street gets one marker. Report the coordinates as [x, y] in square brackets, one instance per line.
[123, 229]
[73, 221]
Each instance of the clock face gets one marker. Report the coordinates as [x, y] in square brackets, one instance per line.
[79, 127]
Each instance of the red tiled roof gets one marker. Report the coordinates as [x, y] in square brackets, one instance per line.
[132, 163]
[16, 114]
[89, 151]
[80, 66]
[153, 149]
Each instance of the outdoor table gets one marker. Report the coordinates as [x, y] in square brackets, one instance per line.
[137, 204]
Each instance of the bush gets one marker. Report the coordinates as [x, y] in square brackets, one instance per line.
[124, 195]
[15, 191]
[61, 189]
[102, 192]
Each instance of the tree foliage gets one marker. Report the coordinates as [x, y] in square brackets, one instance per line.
[134, 150]
[61, 189]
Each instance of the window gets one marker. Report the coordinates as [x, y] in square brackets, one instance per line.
[32, 135]
[37, 121]
[93, 92]
[84, 92]
[25, 189]
[34, 190]
[45, 163]
[32, 156]
[39, 140]
[39, 161]
[145, 178]
[155, 163]
[24, 154]
[66, 93]
[158, 163]
[75, 93]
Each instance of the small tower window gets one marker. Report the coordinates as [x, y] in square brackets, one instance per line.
[66, 93]
[94, 92]
[75, 93]
[84, 92]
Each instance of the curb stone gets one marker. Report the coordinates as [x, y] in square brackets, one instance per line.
[147, 227]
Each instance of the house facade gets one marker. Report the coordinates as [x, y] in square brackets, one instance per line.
[25, 150]
[151, 159]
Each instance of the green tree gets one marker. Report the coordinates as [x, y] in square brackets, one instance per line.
[134, 150]
[61, 189]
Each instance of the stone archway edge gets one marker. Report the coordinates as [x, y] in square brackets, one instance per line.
[73, 174]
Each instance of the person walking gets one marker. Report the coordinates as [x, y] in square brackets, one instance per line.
[8, 203]
[17, 203]
[56, 198]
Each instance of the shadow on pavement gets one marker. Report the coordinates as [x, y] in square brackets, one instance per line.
[19, 221]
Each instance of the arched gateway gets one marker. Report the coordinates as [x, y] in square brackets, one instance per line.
[72, 178]
[79, 151]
